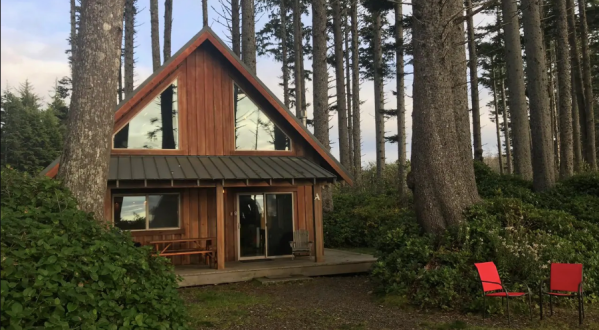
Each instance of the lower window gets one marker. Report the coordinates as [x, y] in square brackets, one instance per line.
[146, 212]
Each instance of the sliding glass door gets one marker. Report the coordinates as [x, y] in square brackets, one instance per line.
[265, 225]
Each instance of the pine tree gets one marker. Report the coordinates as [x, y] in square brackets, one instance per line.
[340, 85]
[154, 26]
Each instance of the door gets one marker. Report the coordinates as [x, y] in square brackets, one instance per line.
[265, 225]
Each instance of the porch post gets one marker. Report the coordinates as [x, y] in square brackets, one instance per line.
[318, 229]
[220, 226]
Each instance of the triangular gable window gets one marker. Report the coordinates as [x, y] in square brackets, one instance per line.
[253, 129]
[155, 126]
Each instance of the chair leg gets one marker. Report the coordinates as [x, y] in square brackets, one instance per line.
[530, 306]
[507, 303]
[579, 310]
[541, 303]
[551, 305]
[484, 306]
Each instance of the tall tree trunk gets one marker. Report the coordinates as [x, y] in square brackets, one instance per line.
[506, 131]
[154, 26]
[543, 157]
[235, 26]
[566, 168]
[205, 12]
[84, 162]
[515, 84]
[73, 35]
[168, 28]
[444, 182]
[577, 92]
[473, 65]
[590, 150]
[248, 32]
[340, 85]
[401, 107]
[284, 55]
[350, 124]
[320, 84]
[378, 96]
[299, 52]
[497, 126]
[551, 87]
[356, 92]
[130, 12]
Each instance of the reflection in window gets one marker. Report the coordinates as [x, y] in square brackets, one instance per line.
[253, 129]
[155, 126]
[145, 212]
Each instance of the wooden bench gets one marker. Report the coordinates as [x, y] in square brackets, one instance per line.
[164, 248]
[301, 244]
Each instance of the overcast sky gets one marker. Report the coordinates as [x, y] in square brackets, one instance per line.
[34, 39]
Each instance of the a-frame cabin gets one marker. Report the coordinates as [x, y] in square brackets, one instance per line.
[202, 148]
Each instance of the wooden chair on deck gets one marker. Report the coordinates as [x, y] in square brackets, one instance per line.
[301, 244]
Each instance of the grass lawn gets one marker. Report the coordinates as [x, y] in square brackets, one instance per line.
[342, 303]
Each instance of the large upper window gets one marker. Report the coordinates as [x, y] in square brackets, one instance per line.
[155, 126]
[146, 212]
[253, 129]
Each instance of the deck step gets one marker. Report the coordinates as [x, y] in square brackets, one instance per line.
[282, 279]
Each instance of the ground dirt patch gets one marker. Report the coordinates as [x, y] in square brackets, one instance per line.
[340, 303]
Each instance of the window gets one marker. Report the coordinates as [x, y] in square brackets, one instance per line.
[146, 212]
[155, 126]
[253, 129]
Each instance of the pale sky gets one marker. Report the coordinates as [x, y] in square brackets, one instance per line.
[34, 39]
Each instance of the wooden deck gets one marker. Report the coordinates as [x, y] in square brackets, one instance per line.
[335, 262]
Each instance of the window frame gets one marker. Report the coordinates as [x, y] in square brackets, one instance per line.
[140, 106]
[147, 211]
[251, 151]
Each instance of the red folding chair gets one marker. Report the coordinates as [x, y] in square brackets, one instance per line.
[489, 278]
[565, 277]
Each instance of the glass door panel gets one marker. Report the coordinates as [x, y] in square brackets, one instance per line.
[252, 226]
[279, 214]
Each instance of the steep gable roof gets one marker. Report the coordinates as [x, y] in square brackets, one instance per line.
[207, 35]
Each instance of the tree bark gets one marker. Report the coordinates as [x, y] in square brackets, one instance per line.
[515, 84]
[130, 12]
[378, 96]
[205, 12]
[356, 93]
[299, 52]
[248, 32]
[578, 160]
[284, 55]
[566, 168]
[543, 157]
[473, 66]
[84, 162]
[73, 34]
[350, 124]
[444, 182]
[401, 107]
[340, 85]
[551, 87]
[506, 131]
[577, 92]
[168, 28]
[235, 35]
[497, 126]
[590, 150]
[154, 26]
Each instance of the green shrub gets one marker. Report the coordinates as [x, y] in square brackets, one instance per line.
[62, 269]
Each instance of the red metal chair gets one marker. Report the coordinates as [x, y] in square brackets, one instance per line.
[565, 277]
[489, 278]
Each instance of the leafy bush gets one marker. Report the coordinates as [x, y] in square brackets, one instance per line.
[62, 269]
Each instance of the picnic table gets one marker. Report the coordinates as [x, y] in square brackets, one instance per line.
[165, 248]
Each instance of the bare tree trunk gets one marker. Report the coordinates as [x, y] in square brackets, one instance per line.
[120, 81]
[248, 32]
[155, 34]
[356, 93]
[553, 104]
[235, 35]
[320, 84]
[168, 28]
[84, 162]
[515, 84]
[578, 160]
[564, 79]
[497, 126]
[473, 64]
[73, 35]
[130, 13]
[543, 157]
[340, 85]
[285, 66]
[298, 50]
[577, 92]
[590, 150]
[401, 107]
[205, 12]
[378, 96]
[444, 182]
[350, 124]
[506, 131]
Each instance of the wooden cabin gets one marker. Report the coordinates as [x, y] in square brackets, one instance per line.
[203, 149]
